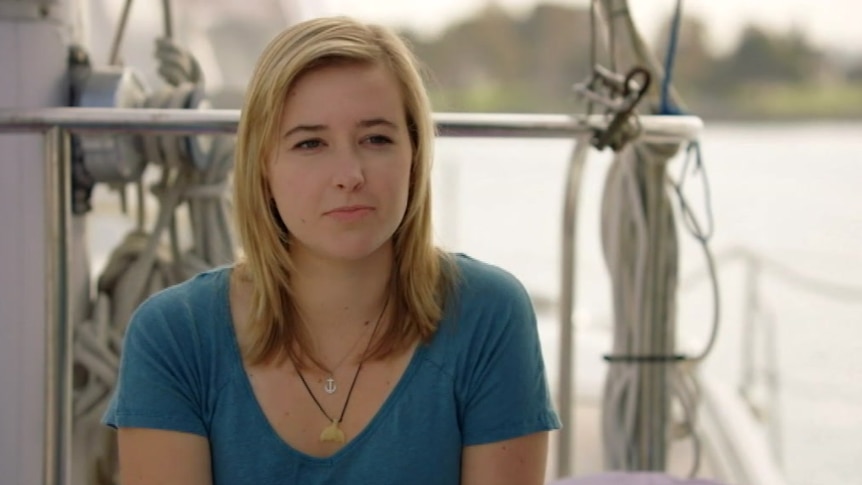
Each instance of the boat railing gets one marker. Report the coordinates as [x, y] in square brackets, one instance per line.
[58, 124]
[654, 128]
[758, 345]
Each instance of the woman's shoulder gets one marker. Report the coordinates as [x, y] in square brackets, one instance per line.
[189, 306]
[479, 279]
[176, 357]
[201, 289]
[485, 298]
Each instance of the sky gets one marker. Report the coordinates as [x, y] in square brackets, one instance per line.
[833, 24]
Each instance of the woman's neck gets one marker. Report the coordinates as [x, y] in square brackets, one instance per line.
[333, 294]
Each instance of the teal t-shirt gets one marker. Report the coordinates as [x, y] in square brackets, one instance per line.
[480, 379]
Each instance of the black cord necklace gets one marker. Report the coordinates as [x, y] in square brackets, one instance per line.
[333, 432]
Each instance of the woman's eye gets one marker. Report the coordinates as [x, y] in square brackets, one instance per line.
[308, 144]
[378, 140]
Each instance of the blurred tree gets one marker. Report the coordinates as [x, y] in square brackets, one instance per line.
[810, 64]
[557, 40]
[854, 72]
[497, 62]
[762, 57]
[494, 62]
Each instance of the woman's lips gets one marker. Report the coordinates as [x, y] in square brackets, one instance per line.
[350, 213]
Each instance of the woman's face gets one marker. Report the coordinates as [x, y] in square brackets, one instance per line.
[341, 170]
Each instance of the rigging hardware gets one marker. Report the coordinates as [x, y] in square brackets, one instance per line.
[619, 95]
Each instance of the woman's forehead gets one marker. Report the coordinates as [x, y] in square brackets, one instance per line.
[339, 93]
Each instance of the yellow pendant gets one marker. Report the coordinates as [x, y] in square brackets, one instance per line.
[332, 433]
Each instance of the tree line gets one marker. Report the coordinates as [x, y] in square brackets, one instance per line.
[495, 62]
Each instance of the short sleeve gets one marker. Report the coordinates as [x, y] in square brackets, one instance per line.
[159, 384]
[503, 385]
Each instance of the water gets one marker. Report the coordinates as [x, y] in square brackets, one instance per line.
[787, 192]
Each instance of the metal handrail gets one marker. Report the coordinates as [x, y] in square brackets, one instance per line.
[150, 120]
[55, 123]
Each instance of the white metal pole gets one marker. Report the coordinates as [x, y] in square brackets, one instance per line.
[33, 52]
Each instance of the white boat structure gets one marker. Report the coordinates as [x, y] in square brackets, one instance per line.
[638, 406]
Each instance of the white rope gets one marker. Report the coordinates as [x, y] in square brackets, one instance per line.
[644, 306]
[139, 266]
[640, 248]
[629, 222]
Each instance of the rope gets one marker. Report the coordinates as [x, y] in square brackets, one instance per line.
[629, 228]
[141, 265]
[688, 216]
[636, 215]
[629, 225]
[640, 245]
[194, 176]
[666, 106]
[138, 267]
[167, 25]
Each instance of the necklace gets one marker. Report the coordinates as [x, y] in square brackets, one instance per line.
[333, 432]
[329, 385]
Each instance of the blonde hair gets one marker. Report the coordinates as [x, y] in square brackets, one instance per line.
[422, 274]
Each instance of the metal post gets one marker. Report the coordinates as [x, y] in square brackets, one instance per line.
[58, 338]
[33, 56]
[568, 284]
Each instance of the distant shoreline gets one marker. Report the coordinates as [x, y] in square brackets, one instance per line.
[783, 119]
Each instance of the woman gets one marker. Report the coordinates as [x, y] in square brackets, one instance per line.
[344, 347]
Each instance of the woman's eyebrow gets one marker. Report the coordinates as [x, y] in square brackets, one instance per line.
[371, 122]
[376, 122]
[298, 128]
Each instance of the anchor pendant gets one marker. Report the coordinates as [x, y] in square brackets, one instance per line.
[330, 387]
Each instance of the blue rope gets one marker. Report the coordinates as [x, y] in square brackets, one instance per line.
[693, 150]
[666, 107]
[701, 234]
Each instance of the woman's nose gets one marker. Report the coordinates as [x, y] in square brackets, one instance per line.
[349, 174]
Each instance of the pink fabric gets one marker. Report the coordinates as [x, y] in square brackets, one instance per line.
[632, 478]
